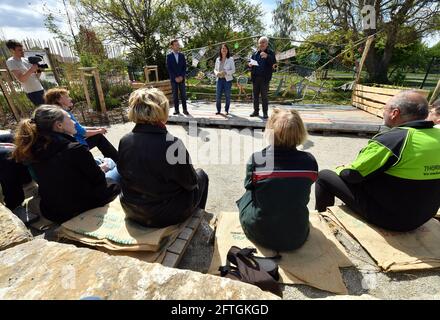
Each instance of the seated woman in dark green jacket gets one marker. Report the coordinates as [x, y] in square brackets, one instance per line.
[273, 210]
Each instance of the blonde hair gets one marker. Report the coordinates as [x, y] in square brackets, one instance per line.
[53, 95]
[148, 105]
[287, 128]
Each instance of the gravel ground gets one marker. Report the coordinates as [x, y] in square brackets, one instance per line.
[226, 186]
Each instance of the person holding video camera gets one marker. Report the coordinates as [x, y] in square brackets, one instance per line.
[26, 73]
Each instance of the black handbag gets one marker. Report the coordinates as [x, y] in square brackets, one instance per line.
[244, 266]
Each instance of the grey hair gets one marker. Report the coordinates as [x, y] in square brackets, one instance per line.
[412, 105]
[263, 39]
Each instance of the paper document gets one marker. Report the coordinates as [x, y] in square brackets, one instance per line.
[253, 62]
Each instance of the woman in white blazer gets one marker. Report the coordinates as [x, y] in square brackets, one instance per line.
[223, 70]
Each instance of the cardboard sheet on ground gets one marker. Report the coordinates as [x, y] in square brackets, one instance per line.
[315, 264]
[107, 227]
[393, 251]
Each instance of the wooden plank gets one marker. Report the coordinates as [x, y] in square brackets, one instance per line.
[364, 56]
[178, 246]
[86, 90]
[373, 96]
[99, 90]
[374, 111]
[368, 103]
[8, 97]
[171, 260]
[193, 223]
[387, 91]
[199, 213]
[186, 234]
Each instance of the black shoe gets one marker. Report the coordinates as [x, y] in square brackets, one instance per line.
[265, 116]
[217, 113]
[176, 112]
[254, 114]
[185, 112]
[227, 113]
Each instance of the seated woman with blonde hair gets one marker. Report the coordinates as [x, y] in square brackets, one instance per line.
[69, 180]
[273, 210]
[159, 184]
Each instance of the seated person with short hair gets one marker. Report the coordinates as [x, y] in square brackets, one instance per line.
[89, 136]
[159, 184]
[394, 183]
[434, 113]
[69, 180]
[273, 210]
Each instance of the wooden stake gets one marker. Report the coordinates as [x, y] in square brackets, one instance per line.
[8, 97]
[435, 93]
[99, 90]
[86, 90]
[361, 63]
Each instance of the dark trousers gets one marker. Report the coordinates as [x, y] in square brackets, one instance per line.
[201, 195]
[37, 97]
[179, 87]
[260, 86]
[104, 146]
[328, 186]
[12, 178]
[356, 197]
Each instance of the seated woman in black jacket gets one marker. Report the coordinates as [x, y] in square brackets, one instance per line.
[273, 210]
[159, 184]
[69, 180]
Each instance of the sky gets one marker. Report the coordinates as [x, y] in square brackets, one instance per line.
[21, 19]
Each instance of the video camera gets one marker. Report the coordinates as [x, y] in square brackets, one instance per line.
[36, 60]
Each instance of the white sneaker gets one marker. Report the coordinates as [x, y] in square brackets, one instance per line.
[25, 215]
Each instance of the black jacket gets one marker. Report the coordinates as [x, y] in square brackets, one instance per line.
[69, 180]
[265, 66]
[154, 191]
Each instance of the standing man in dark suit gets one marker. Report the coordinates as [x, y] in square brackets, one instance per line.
[261, 75]
[176, 65]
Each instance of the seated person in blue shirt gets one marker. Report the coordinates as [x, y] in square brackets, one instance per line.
[88, 136]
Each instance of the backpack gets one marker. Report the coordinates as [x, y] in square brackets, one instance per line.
[244, 266]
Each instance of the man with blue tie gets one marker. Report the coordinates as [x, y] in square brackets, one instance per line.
[176, 65]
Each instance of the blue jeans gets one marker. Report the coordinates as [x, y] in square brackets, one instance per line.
[113, 173]
[223, 86]
[179, 87]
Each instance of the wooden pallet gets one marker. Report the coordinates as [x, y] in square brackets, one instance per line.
[373, 99]
[176, 250]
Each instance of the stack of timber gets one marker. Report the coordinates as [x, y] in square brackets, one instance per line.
[373, 99]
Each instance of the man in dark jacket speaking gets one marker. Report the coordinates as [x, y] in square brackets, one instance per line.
[261, 64]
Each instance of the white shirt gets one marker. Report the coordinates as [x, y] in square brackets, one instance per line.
[32, 84]
[176, 56]
[228, 68]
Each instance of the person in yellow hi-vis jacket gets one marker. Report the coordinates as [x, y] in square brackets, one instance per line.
[394, 182]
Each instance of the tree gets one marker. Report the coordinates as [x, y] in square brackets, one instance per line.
[52, 17]
[213, 21]
[391, 18]
[137, 24]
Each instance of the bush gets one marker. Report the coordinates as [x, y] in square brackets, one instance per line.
[119, 90]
